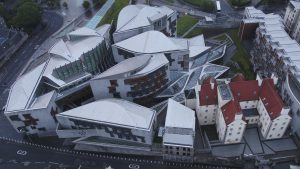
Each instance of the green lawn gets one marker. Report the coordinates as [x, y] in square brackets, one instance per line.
[205, 5]
[194, 32]
[113, 12]
[185, 23]
[241, 56]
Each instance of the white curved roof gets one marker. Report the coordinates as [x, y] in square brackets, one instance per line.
[75, 47]
[126, 66]
[148, 43]
[23, 89]
[134, 16]
[114, 112]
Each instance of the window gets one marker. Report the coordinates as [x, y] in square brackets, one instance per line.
[205, 117]
[278, 135]
[42, 129]
[177, 148]
[270, 135]
[229, 134]
[206, 111]
[281, 128]
[273, 129]
[238, 132]
[236, 139]
[177, 153]
[283, 123]
[14, 118]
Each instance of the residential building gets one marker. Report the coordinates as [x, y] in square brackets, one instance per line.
[179, 52]
[291, 19]
[207, 101]
[113, 124]
[138, 79]
[136, 19]
[40, 93]
[233, 103]
[275, 52]
[229, 123]
[178, 138]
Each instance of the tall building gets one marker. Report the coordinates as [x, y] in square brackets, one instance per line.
[179, 134]
[34, 97]
[291, 20]
[232, 104]
[114, 124]
[276, 52]
[137, 79]
[136, 19]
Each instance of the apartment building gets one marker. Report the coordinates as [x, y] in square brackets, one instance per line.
[138, 79]
[237, 102]
[178, 138]
[276, 52]
[136, 19]
[291, 20]
[32, 102]
[116, 124]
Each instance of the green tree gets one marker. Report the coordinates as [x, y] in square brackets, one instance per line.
[86, 4]
[65, 4]
[28, 16]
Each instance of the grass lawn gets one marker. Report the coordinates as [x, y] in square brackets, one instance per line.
[185, 23]
[113, 12]
[241, 56]
[196, 31]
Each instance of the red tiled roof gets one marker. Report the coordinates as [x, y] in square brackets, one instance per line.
[229, 111]
[209, 79]
[245, 90]
[207, 95]
[270, 98]
[238, 77]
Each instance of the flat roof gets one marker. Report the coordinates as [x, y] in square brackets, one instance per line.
[178, 139]
[179, 116]
[114, 112]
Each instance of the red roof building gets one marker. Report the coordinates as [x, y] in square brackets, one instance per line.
[271, 99]
[229, 111]
[208, 93]
[245, 90]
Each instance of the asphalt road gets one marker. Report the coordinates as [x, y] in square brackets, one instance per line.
[18, 155]
[12, 68]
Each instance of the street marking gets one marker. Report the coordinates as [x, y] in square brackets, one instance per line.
[133, 166]
[22, 152]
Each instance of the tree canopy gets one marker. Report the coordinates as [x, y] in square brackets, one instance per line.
[28, 16]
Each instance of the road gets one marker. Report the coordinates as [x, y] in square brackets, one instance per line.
[12, 68]
[19, 155]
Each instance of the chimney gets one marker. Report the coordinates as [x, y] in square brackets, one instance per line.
[212, 85]
[259, 79]
[275, 78]
[285, 111]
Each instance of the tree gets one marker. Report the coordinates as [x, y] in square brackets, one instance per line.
[28, 16]
[86, 4]
[65, 4]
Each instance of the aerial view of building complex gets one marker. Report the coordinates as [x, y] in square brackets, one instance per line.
[143, 84]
